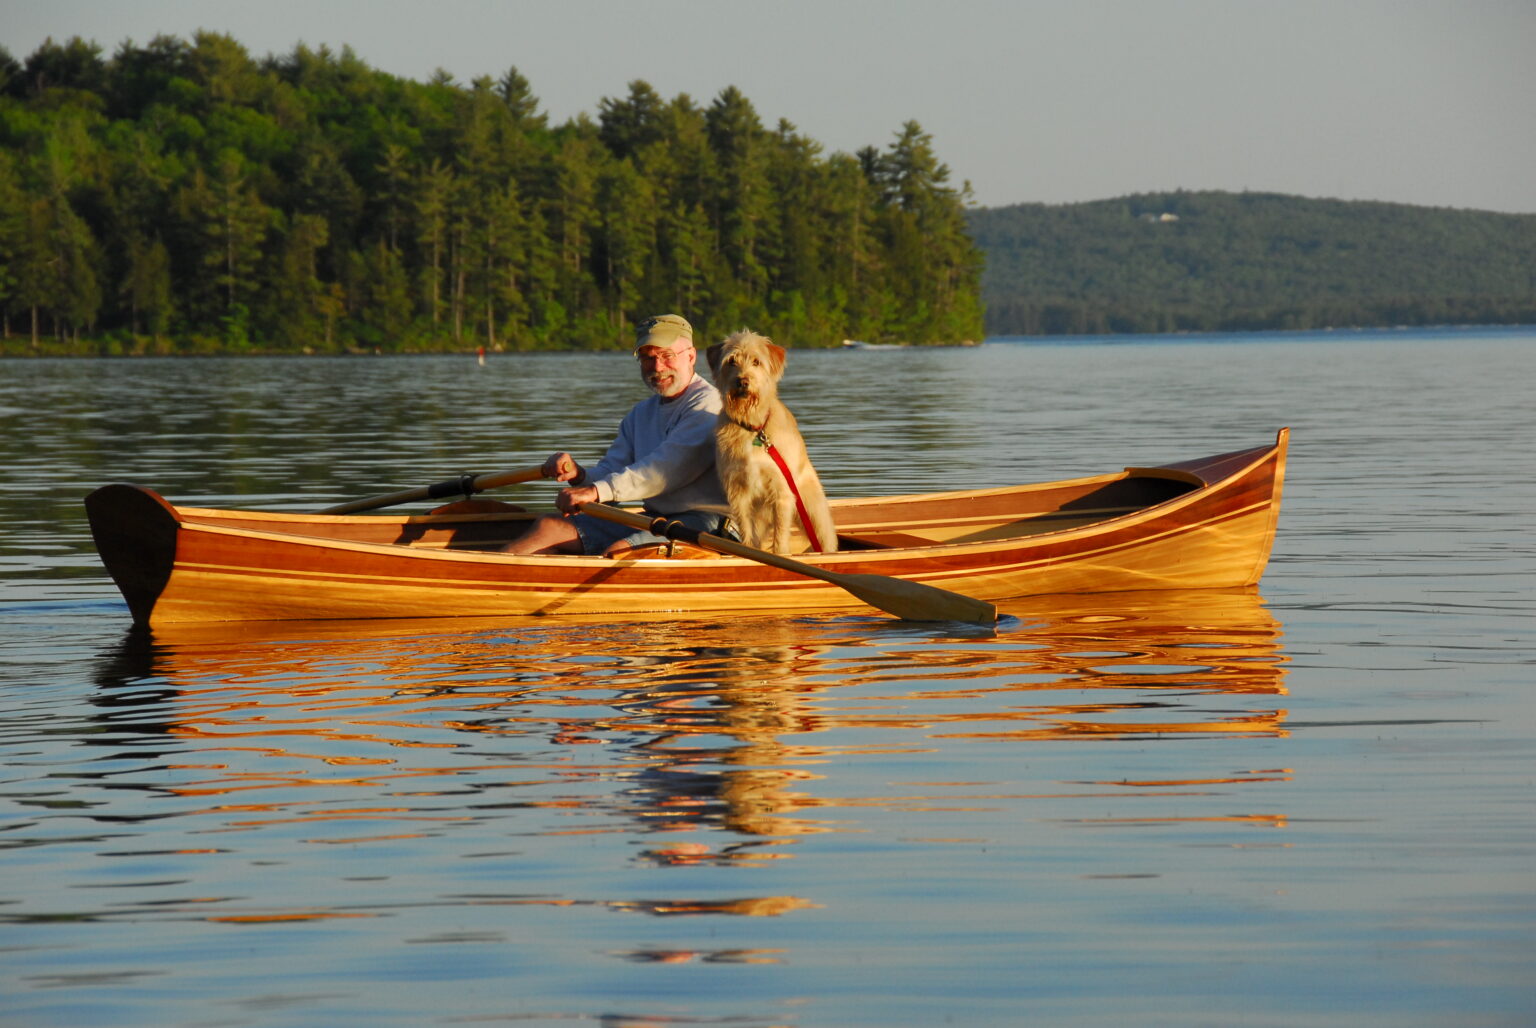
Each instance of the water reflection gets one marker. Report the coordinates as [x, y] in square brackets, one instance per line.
[703, 743]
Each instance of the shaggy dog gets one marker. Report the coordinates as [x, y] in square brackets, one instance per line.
[753, 425]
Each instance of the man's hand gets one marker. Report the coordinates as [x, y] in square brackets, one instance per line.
[562, 467]
[569, 501]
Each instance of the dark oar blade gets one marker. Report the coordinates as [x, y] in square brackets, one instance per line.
[915, 601]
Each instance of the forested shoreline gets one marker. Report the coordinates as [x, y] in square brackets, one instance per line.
[186, 197]
[1217, 261]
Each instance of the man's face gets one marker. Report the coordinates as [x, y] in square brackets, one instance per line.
[667, 369]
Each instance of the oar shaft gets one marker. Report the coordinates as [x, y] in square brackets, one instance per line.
[718, 543]
[912, 601]
[464, 485]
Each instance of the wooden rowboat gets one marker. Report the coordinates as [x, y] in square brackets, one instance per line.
[1196, 524]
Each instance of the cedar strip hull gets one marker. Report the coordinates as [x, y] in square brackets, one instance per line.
[1196, 524]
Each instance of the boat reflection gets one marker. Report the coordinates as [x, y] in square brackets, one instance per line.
[704, 737]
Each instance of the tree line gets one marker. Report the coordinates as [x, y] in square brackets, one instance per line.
[1214, 261]
[186, 196]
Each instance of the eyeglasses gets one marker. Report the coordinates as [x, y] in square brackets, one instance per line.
[661, 356]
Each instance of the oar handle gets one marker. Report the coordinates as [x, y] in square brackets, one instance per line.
[464, 485]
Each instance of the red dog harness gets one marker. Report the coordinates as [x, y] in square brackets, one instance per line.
[760, 438]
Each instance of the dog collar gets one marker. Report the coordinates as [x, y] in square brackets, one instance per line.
[759, 434]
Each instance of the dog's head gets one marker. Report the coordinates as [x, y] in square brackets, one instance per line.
[746, 366]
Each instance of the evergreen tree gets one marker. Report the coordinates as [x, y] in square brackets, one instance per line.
[523, 107]
[629, 125]
[295, 310]
[228, 224]
[626, 239]
[742, 198]
[434, 191]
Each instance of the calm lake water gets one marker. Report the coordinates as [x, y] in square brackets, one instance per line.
[1306, 805]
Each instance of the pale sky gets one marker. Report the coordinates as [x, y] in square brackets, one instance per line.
[1429, 102]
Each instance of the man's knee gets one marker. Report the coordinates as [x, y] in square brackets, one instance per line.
[548, 534]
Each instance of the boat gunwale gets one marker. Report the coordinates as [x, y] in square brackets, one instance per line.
[309, 517]
[881, 555]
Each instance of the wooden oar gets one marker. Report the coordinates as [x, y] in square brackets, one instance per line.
[910, 601]
[461, 486]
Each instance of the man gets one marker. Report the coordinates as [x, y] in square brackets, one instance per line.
[664, 455]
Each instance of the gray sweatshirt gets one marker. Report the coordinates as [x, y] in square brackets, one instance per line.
[665, 455]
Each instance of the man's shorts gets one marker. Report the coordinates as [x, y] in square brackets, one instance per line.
[597, 534]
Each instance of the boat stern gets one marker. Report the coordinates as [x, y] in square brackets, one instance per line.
[135, 532]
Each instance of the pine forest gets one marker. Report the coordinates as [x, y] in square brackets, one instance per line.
[185, 197]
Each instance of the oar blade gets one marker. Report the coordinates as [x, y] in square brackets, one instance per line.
[915, 601]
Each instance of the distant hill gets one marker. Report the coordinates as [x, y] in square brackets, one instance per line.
[1203, 261]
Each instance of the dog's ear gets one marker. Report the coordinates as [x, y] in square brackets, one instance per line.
[713, 356]
[776, 357]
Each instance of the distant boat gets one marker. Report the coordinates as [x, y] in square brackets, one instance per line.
[855, 344]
